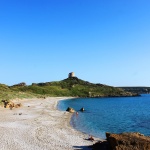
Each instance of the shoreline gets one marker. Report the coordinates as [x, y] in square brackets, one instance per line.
[39, 125]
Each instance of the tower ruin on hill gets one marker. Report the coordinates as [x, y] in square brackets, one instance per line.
[71, 74]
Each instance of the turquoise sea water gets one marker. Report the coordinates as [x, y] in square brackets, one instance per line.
[123, 114]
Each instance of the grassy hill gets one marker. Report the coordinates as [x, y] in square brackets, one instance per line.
[7, 93]
[72, 86]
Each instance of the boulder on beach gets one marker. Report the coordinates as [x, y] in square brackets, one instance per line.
[8, 104]
[123, 141]
[71, 110]
[128, 141]
[17, 105]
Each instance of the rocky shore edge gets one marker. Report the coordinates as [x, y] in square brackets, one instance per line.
[124, 141]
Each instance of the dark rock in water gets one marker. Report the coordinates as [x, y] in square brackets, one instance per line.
[71, 110]
[128, 141]
[82, 109]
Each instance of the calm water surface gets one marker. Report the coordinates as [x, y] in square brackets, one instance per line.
[125, 114]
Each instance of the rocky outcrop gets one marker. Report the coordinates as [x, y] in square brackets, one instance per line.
[71, 110]
[128, 141]
[20, 84]
[82, 109]
[100, 145]
[9, 104]
[123, 141]
[17, 105]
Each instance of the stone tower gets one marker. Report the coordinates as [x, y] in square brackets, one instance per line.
[71, 74]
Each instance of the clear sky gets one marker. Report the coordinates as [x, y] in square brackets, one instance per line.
[102, 41]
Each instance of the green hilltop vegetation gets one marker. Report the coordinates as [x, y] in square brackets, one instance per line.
[139, 90]
[8, 93]
[71, 86]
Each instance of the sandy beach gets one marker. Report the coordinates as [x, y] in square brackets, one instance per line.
[38, 125]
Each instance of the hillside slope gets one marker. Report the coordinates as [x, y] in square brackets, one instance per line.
[71, 86]
[139, 90]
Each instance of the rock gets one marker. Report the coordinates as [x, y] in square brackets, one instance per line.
[5, 102]
[71, 110]
[128, 141]
[9, 105]
[20, 84]
[82, 109]
[17, 105]
[100, 145]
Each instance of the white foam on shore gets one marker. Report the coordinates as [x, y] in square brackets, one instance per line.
[39, 127]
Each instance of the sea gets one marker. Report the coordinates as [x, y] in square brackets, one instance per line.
[115, 115]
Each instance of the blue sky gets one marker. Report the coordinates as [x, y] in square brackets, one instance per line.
[102, 41]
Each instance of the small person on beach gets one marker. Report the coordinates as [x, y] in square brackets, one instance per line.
[76, 113]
